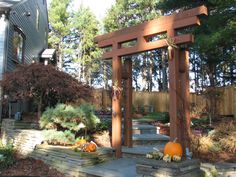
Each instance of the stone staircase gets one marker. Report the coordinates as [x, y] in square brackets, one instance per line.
[145, 138]
[25, 125]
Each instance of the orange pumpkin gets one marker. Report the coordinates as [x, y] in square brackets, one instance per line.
[173, 149]
[90, 147]
[81, 142]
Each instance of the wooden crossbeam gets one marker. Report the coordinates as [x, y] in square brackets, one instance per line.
[202, 10]
[141, 47]
[156, 27]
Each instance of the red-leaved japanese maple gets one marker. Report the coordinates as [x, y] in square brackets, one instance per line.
[45, 85]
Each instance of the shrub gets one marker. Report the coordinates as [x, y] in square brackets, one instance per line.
[204, 144]
[6, 156]
[225, 134]
[59, 137]
[158, 116]
[229, 143]
[64, 122]
[104, 125]
[67, 117]
[88, 116]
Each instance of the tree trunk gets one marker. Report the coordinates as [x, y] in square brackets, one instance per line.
[40, 103]
[211, 75]
[150, 72]
[144, 73]
[60, 58]
[164, 73]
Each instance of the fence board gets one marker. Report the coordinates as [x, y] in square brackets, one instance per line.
[160, 100]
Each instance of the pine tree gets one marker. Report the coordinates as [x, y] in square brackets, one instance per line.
[59, 23]
[86, 26]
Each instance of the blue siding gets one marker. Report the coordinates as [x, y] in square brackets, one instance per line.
[35, 40]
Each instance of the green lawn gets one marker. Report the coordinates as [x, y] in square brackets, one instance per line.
[155, 116]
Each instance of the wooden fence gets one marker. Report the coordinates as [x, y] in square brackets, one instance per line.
[159, 101]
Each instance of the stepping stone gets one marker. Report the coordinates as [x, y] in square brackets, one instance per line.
[137, 122]
[145, 129]
[140, 151]
[123, 167]
[150, 139]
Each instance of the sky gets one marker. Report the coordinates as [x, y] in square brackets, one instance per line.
[98, 7]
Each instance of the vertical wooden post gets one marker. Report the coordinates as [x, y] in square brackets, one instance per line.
[174, 90]
[116, 107]
[128, 104]
[184, 100]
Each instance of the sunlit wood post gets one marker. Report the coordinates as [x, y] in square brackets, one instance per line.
[116, 106]
[128, 104]
[184, 96]
[174, 88]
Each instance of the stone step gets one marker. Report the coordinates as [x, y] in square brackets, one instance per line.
[26, 125]
[138, 122]
[150, 139]
[140, 151]
[145, 129]
[121, 167]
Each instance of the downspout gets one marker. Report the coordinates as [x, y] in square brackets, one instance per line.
[4, 31]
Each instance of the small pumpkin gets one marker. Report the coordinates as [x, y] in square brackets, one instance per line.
[173, 149]
[90, 147]
[82, 141]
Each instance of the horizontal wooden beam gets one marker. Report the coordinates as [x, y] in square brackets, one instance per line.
[151, 29]
[186, 38]
[201, 10]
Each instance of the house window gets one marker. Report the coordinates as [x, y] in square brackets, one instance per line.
[37, 19]
[18, 46]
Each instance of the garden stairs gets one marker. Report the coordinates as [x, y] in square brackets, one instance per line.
[145, 138]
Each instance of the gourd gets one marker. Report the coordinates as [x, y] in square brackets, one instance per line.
[173, 149]
[90, 147]
[167, 158]
[176, 158]
[81, 142]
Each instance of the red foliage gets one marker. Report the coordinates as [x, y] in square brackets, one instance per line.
[44, 84]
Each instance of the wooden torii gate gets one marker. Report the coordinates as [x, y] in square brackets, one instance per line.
[178, 70]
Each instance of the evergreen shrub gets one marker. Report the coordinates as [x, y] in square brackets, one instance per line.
[59, 137]
[6, 156]
[64, 120]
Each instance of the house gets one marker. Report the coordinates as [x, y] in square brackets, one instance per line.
[23, 34]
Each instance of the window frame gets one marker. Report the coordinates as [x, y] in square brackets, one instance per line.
[18, 48]
[37, 19]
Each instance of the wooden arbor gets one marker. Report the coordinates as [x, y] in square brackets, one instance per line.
[178, 70]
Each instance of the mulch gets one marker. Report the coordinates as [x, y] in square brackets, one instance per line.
[30, 167]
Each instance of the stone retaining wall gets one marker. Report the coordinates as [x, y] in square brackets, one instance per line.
[27, 142]
[69, 162]
[23, 140]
